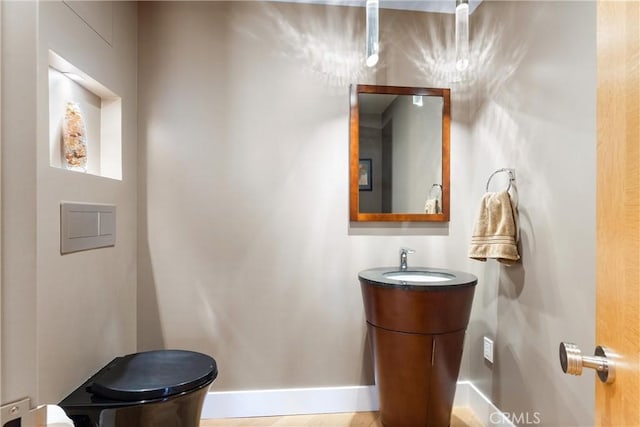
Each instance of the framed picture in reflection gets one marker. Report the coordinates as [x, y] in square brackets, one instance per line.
[364, 175]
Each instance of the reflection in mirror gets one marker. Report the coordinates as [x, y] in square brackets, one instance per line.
[399, 154]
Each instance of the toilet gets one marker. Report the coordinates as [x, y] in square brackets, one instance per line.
[154, 388]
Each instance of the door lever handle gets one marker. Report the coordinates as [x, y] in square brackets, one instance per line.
[572, 361]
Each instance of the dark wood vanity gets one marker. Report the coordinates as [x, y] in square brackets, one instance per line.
[417, 333]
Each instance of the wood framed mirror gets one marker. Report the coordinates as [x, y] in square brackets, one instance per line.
[399, 154]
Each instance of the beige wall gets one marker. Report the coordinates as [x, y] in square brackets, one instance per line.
[63, 316]
[539, 117]
[417, 152]
[1, 7]
[18, 200]
[245, 249]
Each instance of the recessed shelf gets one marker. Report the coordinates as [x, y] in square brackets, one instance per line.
[101, 109]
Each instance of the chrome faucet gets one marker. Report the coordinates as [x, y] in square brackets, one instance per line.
[403, 257]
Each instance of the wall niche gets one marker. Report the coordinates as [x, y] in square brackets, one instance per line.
[71, 91]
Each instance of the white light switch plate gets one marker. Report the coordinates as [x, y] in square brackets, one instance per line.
[488, 349]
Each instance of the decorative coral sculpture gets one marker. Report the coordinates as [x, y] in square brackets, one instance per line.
[74, 138]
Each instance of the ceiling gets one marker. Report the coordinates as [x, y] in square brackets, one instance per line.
[440, 6]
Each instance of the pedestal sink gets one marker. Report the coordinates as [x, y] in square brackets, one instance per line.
[416, 320]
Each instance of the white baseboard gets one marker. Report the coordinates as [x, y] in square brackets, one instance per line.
[294, 401]
[468, 395]
[327, 400]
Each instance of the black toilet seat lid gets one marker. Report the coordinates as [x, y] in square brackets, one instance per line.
[154, 375]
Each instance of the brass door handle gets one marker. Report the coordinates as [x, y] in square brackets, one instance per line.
[572, 361]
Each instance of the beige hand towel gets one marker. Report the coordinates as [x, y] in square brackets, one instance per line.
[431, 206]
[494, 233]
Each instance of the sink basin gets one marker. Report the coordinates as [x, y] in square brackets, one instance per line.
[417, 276]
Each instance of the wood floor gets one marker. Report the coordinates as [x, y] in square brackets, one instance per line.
[462, 417]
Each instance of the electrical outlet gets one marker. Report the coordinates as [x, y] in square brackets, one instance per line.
[488, 349]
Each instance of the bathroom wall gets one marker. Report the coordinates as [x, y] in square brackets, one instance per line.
[416, 165]
[538, 116]
[245, 249]
[63, 316]
[0, 207]
[18, 200]
[371, 147]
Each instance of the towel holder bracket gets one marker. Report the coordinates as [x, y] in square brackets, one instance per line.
[436, 186]
[510, 171]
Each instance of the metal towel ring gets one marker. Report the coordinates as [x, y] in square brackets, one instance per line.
[511, 173]
[437, 186]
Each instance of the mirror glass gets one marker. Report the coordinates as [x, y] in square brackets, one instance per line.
[399, 154]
